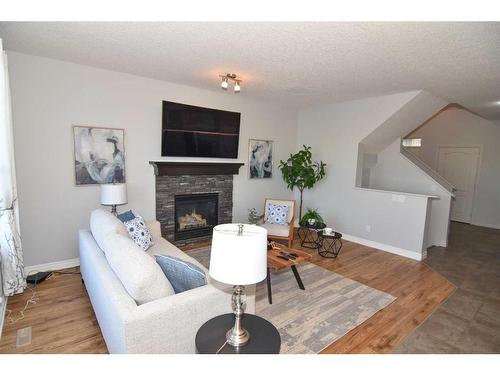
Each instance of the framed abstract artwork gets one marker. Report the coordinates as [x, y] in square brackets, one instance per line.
[99, 155]
[260, 158]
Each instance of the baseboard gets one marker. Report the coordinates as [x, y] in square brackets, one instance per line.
[485, 225]
[383, 247]
[54, 266]
[3, 308]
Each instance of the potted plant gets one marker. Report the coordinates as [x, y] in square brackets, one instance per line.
[301, 172]
[311, 217]
[253, 216]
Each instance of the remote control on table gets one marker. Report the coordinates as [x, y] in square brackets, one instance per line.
[282, 257]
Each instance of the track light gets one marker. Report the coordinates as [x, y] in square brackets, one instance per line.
[227, 77]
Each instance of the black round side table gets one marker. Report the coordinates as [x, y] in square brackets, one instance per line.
[308, 235]
[264, 337]
[329, 244]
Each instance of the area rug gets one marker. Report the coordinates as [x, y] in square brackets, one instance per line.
[310, 320]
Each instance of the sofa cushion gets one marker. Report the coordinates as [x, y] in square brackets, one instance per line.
[155, 229]
[277, 214]
[139, 232]
[140, 275]
[103, 224]
[126, 216]
[163, 247]
[183, 275]
[276, 229]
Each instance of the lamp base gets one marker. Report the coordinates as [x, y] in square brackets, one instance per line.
[237, 339]
[238, 336]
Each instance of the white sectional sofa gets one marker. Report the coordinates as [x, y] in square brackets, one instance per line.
[153, 319]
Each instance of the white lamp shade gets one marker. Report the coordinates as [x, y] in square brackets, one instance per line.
[113, 194]
[238, 260]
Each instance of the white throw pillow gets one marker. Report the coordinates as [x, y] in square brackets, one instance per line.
[139, 232]
[103, 224]
[277, 214]
[139, 273]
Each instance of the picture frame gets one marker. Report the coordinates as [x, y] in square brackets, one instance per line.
[260, 158]
[98, 155]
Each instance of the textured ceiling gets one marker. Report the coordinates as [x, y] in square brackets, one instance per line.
[293, 64]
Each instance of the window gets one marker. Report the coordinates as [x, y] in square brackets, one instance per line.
[412, 142]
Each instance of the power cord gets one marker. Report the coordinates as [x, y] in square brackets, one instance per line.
[66, 273]
[222, 347]
[33, 300]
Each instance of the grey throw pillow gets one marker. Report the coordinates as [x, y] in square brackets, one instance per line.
[182, 275]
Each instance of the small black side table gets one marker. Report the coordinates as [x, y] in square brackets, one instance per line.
[308, 235]
[264, 337]
[329, 244]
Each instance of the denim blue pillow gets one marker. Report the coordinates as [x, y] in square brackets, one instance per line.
[126, 216]
[181, 274]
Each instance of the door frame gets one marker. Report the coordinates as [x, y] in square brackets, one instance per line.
[478, 170]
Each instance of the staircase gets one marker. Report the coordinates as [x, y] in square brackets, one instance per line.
[385, 166]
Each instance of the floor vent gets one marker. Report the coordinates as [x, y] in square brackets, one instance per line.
[23, 337]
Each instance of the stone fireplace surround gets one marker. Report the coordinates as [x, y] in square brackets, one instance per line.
[181, 178]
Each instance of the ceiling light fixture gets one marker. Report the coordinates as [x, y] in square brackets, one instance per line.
[223, 85]
[230, 77]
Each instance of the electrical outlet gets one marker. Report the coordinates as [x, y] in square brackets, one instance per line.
[368, 228]
[23, 337]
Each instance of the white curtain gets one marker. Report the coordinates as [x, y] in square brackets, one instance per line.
[11, 254]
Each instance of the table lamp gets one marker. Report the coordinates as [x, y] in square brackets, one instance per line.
[113, 195]
[238, 257]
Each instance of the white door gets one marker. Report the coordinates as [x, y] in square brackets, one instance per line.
[459, 165]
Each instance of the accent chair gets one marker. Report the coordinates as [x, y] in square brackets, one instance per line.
[283, 232]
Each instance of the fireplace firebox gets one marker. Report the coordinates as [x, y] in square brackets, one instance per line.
[195, 215]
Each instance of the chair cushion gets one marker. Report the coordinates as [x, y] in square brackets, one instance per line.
[182, 275]
[139, 232]
[141, 276]
[276, 229]
[103, 224]
[277, 214]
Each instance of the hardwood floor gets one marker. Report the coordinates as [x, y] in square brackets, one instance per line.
[63, 321]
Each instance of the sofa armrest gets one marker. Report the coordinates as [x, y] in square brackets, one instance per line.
[170, 324]
[155, 228]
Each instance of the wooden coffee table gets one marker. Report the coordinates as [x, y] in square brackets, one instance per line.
[275, 263]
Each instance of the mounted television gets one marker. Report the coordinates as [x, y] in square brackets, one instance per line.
[193, 131]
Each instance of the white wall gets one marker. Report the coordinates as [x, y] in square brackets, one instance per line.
[394, 172]
[49, 96]
[459, 127]
[334, 132]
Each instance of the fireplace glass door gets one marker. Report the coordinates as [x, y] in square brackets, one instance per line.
[195, 215]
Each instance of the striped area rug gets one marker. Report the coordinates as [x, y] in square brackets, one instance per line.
[310, 320]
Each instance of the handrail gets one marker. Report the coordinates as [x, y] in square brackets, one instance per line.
[415, 160]
[397, 192]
